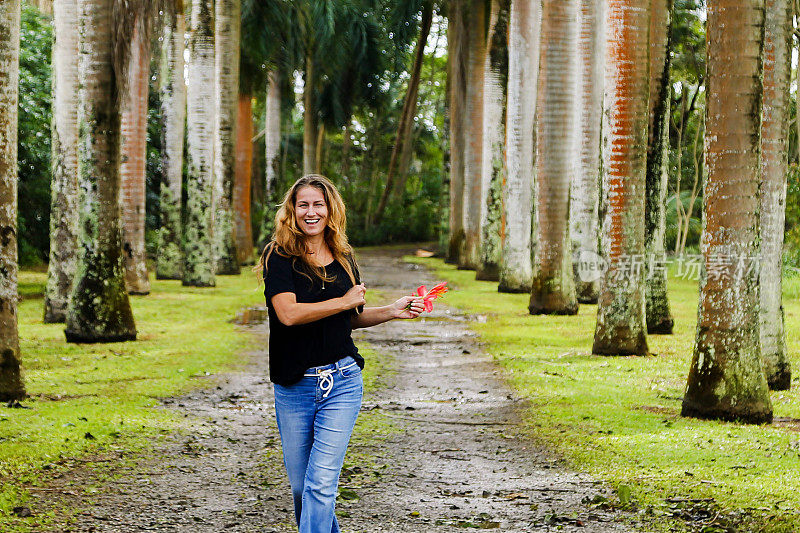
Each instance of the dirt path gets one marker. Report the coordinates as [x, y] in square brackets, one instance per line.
[436, 447]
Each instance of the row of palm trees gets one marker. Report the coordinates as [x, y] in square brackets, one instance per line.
[584, 169]
[101, 69]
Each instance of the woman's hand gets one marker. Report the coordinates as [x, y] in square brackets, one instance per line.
[355, 296]
[407, 307]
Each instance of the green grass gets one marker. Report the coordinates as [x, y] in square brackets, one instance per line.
[618, 418]
[109, 391]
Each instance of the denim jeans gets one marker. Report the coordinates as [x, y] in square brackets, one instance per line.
[315, 418]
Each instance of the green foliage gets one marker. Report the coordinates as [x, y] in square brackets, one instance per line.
[618, 418]
[792, 239]
[695, 223]
[33, 220]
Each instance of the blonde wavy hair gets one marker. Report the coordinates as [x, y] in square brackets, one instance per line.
[288, 240]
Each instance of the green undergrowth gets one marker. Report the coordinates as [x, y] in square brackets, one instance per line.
[87, 399]
[618, 418]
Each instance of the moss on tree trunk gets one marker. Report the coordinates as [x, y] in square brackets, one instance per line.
[727, 379]
[99, 309]
[11, 385]
[659, 318]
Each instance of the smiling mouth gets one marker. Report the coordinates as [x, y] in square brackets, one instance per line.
[312, 221]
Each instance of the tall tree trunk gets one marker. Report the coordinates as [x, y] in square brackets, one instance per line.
[473, 132]
[402, 142]
[133, 165]
[457, 43]
[494, 99]
[272, 150]
[99, 309]
[227, 30]
[64, 162]
[584, 195]
[309, 119]
[244, 172]
[620, 326]
[318, 149]
[657, 313]
[727, 379]
[169, 261]
[272, 135]
[198, 262]
[774, 167]
[553, 285]
[11, 385]
[516, 269]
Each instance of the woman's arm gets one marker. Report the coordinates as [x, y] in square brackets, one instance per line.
[406, 307]
[291, 313]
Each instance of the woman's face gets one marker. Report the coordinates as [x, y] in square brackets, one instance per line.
[311, 211]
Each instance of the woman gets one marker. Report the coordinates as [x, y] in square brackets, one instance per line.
[315, 299]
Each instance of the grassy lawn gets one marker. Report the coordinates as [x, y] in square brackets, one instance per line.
[618, 418]
[88, 398]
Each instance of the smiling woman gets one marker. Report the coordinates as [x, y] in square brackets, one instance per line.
[315, 299]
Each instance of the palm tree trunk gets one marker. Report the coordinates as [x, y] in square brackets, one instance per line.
[457, 43]
[11, 385]
[584, 195]
[553, 285]
[402, 144]
[244, 172]
[473, 146]
[620, 326]
[198, 263]
[272, 151]
[133, 163]
[657, 313]
[516, 269]
[64, 162]
[169, 262]
[727, 379]
[272, 135]
[99, 309]
[227, 22]
[494, 99]
[309, 119]
[774, 168]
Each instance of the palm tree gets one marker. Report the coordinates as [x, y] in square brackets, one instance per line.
[198, 265]
[11, 385]
[133, 161]
[657, 313]
[727, 379]
[457, 44]
[553, 285]
[227, 32]
[494, 99]
[584, 194]
[99, 310]
[620, 326]
[64, 162]
[473, 135]
[774, 162]
[523, 71]
[169, 261]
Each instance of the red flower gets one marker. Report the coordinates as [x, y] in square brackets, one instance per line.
[429, 296]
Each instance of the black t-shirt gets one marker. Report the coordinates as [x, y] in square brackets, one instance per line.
[294, 349]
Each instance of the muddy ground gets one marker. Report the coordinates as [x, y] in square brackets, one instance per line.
[437, 447]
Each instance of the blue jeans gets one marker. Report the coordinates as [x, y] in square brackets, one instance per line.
[315, 418]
